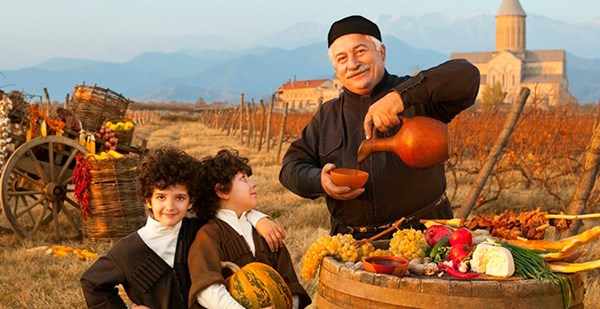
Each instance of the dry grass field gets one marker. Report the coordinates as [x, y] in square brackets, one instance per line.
[30, 278]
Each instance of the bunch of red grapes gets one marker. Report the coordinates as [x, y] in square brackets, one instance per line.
[110, 140]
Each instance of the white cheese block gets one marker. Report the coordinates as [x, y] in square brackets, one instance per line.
[492, 260]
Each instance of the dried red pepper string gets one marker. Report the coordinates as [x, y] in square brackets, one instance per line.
[82, 179]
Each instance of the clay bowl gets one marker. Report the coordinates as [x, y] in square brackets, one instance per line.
[349, 177]
[386, 264]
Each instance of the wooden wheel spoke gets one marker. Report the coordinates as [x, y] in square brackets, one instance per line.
[65, 167]
[15, 205]
[71, 202]
[25, 193]
[28, 208]
[56, 220]
[31, 218]
[68, 215]
[39, 220]
[67, 181]
[27, 177]
[37, 165]
[51, 160]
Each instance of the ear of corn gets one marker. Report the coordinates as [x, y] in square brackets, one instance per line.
[90, 144]
[566, 251]
[43, 129]
[62, 251]
[82, 140]
[560, 245]
[564, 267]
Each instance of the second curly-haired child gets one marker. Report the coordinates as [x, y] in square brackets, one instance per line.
[229, 196]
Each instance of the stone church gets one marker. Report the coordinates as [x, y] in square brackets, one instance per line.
[513, 66]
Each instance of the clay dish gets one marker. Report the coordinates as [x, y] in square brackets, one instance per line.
[349, 177]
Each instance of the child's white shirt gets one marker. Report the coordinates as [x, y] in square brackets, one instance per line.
[161, 239]
[241, 225]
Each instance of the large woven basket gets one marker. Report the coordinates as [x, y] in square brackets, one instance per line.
[92, 105]
[114, 207]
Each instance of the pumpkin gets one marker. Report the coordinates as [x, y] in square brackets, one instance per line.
[258, 285]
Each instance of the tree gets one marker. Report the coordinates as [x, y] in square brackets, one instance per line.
[492, 96]
[200, 102]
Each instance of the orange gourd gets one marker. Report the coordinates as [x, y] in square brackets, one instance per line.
[258, 285]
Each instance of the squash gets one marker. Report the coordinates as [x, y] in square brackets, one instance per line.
[258, 285]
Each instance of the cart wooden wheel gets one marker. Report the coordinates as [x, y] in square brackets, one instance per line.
[37, 187]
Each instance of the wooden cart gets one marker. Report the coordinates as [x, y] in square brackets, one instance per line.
[37, 177]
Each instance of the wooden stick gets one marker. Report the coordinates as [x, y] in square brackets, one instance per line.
[572, 217]
[486, 170]
[456, 222]
[389, 229]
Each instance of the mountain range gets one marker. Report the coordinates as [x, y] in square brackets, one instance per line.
[214, 70]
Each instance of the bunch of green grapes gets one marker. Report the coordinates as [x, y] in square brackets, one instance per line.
[342, 247]
[346, 249]
[379, 252]
[408, 243]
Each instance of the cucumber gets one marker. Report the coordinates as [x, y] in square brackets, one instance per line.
[444, 242]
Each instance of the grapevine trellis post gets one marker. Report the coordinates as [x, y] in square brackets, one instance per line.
[232, 129]
[227, 114]
[216, 113]
[242, 118]
[269, 115]
[253, 123]
[485, 172]
[249, 122]
[263, 110]
[282, 133]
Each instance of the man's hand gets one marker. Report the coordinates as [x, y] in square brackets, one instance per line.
[337, 192]
[271, 232]
[383, 114]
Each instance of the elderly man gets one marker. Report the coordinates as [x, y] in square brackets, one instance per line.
[372, 97]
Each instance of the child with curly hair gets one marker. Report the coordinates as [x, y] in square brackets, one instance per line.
[151, 263]
[229, 197]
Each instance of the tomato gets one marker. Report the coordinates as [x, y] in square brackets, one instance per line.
[461, 236]
[460, 252]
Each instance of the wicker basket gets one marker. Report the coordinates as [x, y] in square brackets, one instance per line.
[114, 207]
[92, 105]
[125, 136]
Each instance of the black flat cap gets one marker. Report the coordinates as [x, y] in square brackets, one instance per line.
[352, 24]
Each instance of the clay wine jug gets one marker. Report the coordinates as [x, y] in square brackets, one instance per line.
[422, 142]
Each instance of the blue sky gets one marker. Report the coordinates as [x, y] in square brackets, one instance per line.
[32, 31]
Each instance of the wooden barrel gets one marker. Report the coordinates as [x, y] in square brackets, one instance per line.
[343, 287]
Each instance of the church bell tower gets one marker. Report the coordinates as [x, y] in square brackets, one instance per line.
[510, 27]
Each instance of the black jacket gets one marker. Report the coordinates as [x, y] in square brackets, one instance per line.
[147, 278]
[393, 190]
